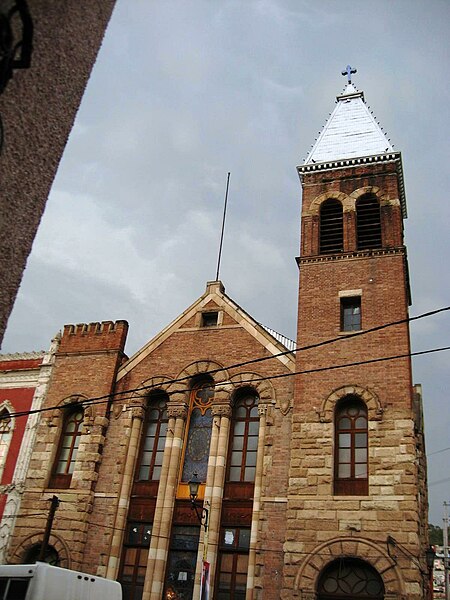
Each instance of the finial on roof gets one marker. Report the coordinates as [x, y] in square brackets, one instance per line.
[349, 72]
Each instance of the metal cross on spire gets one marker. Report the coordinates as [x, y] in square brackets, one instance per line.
[349, 72]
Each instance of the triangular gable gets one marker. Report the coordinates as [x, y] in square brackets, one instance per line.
[214, 298]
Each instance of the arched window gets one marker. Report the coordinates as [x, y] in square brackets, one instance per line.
[6, 427]
[68, 448]
[351, 446]
[153, 439]
[368, 223]
[244, 438]
[231, 577]
[142, 502]
[331, 227]
[199, 424]
[350, 578]
[184, 538]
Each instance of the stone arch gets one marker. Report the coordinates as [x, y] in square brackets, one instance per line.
[19, 553]
[374, 191]
[264, 388]
[6, 405]
[314, 207]
[140, 396]
[178, 390]
[373, 553]
[374, 408]
[55, 416]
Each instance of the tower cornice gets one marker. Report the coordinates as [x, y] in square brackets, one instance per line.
[345, 163]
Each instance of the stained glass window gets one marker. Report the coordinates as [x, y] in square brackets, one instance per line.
[196, 452]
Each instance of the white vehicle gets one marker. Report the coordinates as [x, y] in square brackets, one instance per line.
[45, 582]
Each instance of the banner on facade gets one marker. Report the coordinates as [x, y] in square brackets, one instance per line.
[204, 584]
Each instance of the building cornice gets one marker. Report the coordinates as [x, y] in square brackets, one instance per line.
[22, 356]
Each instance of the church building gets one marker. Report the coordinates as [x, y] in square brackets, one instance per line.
[225, 461]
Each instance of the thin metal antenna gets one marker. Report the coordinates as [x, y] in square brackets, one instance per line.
[223, 228]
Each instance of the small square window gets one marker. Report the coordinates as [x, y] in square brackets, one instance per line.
[209, 319]
[351, 313]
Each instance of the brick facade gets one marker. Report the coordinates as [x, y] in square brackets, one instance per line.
[296, 525]
[323, 526]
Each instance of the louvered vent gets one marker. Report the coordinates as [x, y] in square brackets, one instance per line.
[368, 223]
[331, 227]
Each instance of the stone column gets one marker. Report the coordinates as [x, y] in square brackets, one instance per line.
[137, 416]
[154, 579]
[262, 410]
[214, 490]
[156, 527]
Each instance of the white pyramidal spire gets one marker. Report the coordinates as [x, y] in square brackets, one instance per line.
[350, 132]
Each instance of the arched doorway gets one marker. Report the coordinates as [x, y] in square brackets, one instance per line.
[51, 556]
[350, 578]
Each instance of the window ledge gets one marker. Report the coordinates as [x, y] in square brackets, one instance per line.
[350, 333]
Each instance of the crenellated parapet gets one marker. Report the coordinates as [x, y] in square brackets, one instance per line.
[92, 337]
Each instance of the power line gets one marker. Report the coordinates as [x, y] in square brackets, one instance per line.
[110, 397]
[102, 400]
[438, 451]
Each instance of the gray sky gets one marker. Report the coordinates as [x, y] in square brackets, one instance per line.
[185, 91]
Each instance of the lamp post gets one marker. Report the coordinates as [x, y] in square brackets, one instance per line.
[430, 555]
[202, 516]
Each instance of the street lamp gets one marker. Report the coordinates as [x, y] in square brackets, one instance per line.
[202, 516]
[430, 555]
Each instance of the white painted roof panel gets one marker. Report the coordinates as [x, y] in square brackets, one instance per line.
[350, 132]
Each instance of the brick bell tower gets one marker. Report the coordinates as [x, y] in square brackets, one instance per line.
[357, 505]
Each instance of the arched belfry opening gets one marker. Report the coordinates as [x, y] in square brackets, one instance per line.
[368, 223]
[347, 578]
[331, 227]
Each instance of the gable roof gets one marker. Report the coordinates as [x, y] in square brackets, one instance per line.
[350, 132]
[215, 295]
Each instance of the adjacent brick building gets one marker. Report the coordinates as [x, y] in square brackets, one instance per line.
[310, 463]
[37, 111]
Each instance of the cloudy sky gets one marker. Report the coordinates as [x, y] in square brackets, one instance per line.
[185, 91]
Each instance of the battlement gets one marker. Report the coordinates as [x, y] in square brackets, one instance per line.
[92, 337]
